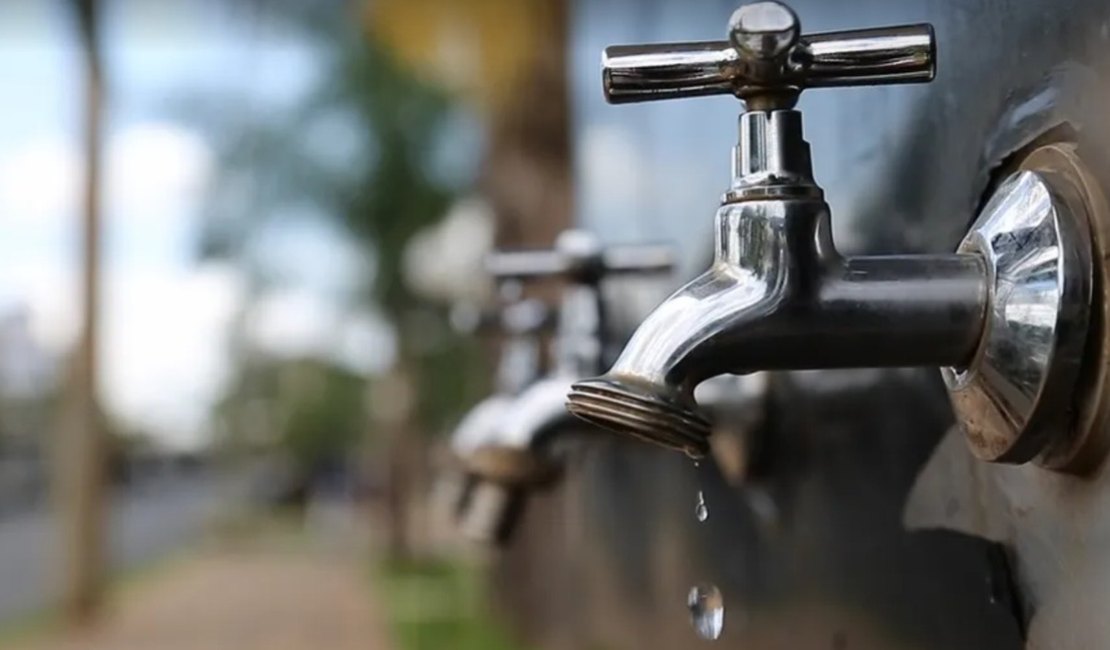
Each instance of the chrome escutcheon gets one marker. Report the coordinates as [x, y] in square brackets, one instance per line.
[1017, 399]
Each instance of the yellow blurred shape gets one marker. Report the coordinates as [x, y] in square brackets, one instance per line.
[475, 47]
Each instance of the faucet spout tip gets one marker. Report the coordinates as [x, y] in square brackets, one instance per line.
[632, 408]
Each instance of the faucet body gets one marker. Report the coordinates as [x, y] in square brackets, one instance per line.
[482, 508]
[528, 421]
[1005, 316]
[518, 454]
[779, 296]
[519, 366]
[514, 442]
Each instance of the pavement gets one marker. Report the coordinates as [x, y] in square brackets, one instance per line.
[247, 596]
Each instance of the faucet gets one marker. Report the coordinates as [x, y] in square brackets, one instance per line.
[522, 323]
[1005, 316]
[513, 443]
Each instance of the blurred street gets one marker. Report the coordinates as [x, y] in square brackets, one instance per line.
[148, 522]
[270, 598]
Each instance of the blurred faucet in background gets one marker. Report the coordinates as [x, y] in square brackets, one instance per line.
[514, 441]
[522, 324]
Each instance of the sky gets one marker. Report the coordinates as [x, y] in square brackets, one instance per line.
[165, 315]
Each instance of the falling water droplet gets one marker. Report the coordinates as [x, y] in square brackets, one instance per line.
[701, 511]
[707, 611]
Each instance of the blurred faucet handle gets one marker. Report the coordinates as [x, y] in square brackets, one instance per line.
[766, 58]
[579, 257]
[526, 265]
[641, 259]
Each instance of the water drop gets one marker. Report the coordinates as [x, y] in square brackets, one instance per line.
[707, 611]
[701, 511]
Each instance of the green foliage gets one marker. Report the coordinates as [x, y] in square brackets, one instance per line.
[396, 198]
[271, 165]
[313, 410]
[323, 413]
[438, 605]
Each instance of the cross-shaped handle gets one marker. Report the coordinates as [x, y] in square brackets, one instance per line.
[579, 257]
[767, 62]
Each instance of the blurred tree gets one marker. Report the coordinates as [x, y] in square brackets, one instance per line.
[323, 412]
[360, 150]
[382, 194]
[81, 442]
[380, 189]
[510, 58]
[312, 412]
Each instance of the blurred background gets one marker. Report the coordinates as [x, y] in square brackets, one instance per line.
[232, 233]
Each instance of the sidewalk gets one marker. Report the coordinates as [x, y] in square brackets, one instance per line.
[227, 599]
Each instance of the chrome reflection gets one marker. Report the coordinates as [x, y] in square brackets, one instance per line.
[1017, 391]
[520, 438]
[779, 296]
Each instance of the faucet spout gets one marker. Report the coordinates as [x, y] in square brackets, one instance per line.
[519, 454]
[779, 297]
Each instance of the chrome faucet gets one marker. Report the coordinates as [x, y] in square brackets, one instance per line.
[514, 445]
[1005, 315]
[522, 323]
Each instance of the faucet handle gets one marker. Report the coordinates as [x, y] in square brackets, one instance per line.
[767, 61]
[580, 258]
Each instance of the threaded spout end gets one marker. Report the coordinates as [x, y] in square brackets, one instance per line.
[637, 411]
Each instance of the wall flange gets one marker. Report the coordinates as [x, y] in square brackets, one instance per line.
[1024, 395]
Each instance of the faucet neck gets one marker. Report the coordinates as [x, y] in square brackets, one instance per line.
[577, 344]
[771, 158]
[519, 364]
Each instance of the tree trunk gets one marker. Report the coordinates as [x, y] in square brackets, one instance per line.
[81, 448]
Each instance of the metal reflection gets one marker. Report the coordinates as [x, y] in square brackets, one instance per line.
[1017, 391]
